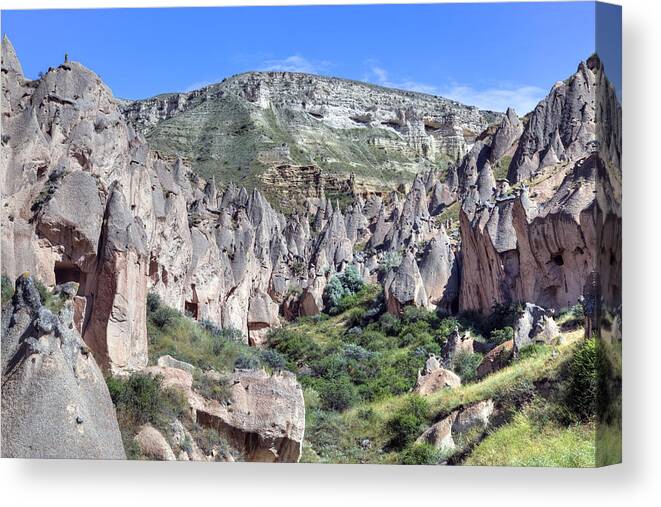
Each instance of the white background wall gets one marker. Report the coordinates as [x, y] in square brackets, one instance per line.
[636, 482]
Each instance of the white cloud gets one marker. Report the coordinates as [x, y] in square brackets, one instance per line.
[522, 98]
[200, 84]
[296, 63]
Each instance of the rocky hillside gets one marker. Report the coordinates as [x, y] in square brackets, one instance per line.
[267, 128]
[87, 198]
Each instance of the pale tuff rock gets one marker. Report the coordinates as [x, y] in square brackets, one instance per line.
[170, 362]
[116, 330]
[440, 435]
[534, 325]
[434, 378]
[153, 445]
[496, 359]
[565, 122]
[55, 403]
[439, 270]
[456, 344]
[404, 286]
[151, 224]
[460, 428]
[508, 133]
[413, 222]
[266, 418]
[474, 416]
[263, 419]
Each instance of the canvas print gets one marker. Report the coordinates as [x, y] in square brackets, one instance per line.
[375, 234]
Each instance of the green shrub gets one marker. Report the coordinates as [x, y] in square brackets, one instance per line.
[390, 324]
[351, 279]
[408, 422]
[7, 289]
[338, 393]
[211, 388]
[247, 360]
[333, 294]
[499, 336]
[390, 260]
[583, 381]
[338, 292]
[296, 347]
[141, 399]
[165, 317]
[273, 359]
[465, 365]
[420, 454]
[209, 440]
[153, 302]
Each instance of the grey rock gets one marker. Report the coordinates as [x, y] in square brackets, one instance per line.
[55, 403]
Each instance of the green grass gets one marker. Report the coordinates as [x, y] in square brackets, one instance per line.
[525, 443]
[341, 441]
[500, 168]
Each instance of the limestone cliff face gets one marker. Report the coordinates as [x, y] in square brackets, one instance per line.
[261, 121]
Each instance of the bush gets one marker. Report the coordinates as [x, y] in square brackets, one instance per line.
[583, 381]
[408, 422]
[141, 399]
[165, 317]
[153, 302]
[247, 360]
[273, 359]
[7, 289]
[339, 288]
[390, 324]
[296, 347]
[499, 336]
[337, 394]
[465, 365]
[390, 260]
[420, 454]
[333, 294]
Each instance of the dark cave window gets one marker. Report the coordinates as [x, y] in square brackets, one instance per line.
[558, 260]
[191, 309]
[67, 272]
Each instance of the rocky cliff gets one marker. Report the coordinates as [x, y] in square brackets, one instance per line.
[88, 199]
[249, 125]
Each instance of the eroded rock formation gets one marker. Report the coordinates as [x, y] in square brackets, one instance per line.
[55, 403]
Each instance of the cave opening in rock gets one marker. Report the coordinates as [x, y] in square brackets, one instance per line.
[69, 272]
[557, 259]
[191, 309]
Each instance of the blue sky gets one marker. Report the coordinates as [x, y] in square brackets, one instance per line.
[489, 55]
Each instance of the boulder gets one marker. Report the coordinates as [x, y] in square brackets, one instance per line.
[265, 420]
[170, 362]
[534, 325]
[496, 358]
[435, 380]
[55, 403]
[440, 435]
[457, 343]
[476, 416]
[153, 445]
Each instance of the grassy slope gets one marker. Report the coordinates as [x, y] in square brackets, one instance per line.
[338, 437]
[525, 442]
